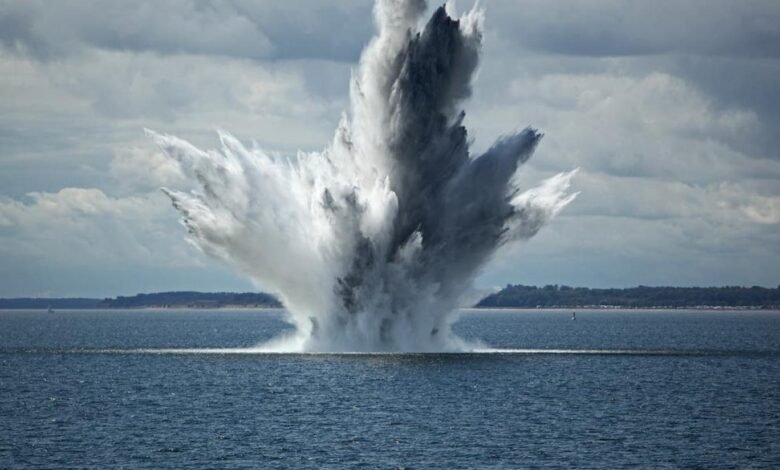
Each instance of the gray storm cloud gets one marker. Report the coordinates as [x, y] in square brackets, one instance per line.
[372, 242]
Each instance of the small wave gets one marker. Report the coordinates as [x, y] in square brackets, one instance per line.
[473, 352]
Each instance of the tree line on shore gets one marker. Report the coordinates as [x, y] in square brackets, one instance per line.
[189, 299]
[512, 296]
[550, 296]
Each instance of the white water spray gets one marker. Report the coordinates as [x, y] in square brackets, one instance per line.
[371, 243]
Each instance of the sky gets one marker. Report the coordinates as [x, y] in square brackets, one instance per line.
[670, 109]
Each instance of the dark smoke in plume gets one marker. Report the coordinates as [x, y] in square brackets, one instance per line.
[371, 243]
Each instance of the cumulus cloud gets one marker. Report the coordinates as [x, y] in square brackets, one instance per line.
[139, 168]
[756, 208]
[623, 251]
[82, 241]
[652, 199]
[80, 225]
[653, 126]
[154, 87]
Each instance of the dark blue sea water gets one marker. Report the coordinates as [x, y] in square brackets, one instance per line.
[667, 390]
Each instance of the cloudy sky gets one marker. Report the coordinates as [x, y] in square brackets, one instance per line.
[671, 110]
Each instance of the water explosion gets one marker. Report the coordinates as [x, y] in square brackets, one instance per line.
[371, 243]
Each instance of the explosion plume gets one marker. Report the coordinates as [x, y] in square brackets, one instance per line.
[371, 243]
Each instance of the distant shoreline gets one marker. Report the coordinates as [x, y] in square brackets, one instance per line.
[619, 307]
[703, 308]
[550, 297]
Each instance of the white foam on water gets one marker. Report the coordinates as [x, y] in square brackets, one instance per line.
[487, 351]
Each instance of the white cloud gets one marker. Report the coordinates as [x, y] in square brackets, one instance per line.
[150, 86]
[86, 227]
[757, 208]
[139, 168]
[653, 126]
[643, 198]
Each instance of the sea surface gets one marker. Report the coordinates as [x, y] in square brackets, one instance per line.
[613, 389]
